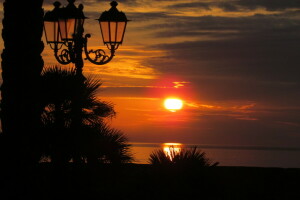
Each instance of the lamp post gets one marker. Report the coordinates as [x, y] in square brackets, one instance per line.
[64, 33]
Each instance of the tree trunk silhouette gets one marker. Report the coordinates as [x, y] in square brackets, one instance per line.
[21, 67]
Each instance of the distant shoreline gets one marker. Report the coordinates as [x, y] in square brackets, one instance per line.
[208, 146]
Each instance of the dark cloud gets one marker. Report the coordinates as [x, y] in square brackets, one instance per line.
[235, 68]
[228, 7]
[238, 5]
[138, 17]
[257, 24]
[200, 5]
[270, 5]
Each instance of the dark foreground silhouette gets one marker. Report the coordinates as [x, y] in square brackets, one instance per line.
[132, 181]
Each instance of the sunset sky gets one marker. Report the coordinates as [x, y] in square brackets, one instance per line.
[234, 63]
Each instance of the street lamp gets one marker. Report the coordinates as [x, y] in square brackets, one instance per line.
[64, 33]
[51, 27]
[113, 24]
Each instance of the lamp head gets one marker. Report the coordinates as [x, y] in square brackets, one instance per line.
[113, 24]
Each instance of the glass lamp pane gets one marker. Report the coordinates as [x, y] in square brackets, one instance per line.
[63, 28]
[51, 31]
[67, 28]
[120, 31]
[113, 31]
[105, 31]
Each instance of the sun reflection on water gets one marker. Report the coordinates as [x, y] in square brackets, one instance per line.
[172, 149]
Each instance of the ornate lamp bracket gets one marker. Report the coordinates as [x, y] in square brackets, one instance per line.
[98, 56]
[63, 56]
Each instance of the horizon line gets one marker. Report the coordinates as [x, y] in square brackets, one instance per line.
[230, 147]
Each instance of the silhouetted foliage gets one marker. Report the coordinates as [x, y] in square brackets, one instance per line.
[105, 145]
[62, 88]
[81, 136]
[186, 157]
[183, 174]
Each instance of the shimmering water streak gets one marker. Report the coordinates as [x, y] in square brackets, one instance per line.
[256, 156]
[172, 149]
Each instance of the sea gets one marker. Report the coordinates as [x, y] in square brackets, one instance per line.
[247, 156]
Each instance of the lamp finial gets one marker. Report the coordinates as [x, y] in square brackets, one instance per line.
[114, 4]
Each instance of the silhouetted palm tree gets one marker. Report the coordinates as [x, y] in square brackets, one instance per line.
[63, 87]
[186, 174]
[186, 157]
[64, 95]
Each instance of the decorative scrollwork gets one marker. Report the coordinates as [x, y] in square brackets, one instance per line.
[68, 54]
[98, 57]
[64, 57]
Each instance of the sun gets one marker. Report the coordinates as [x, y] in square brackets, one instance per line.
[173, 104]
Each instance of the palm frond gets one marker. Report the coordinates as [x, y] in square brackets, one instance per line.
[186, 157]
[68, 100]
